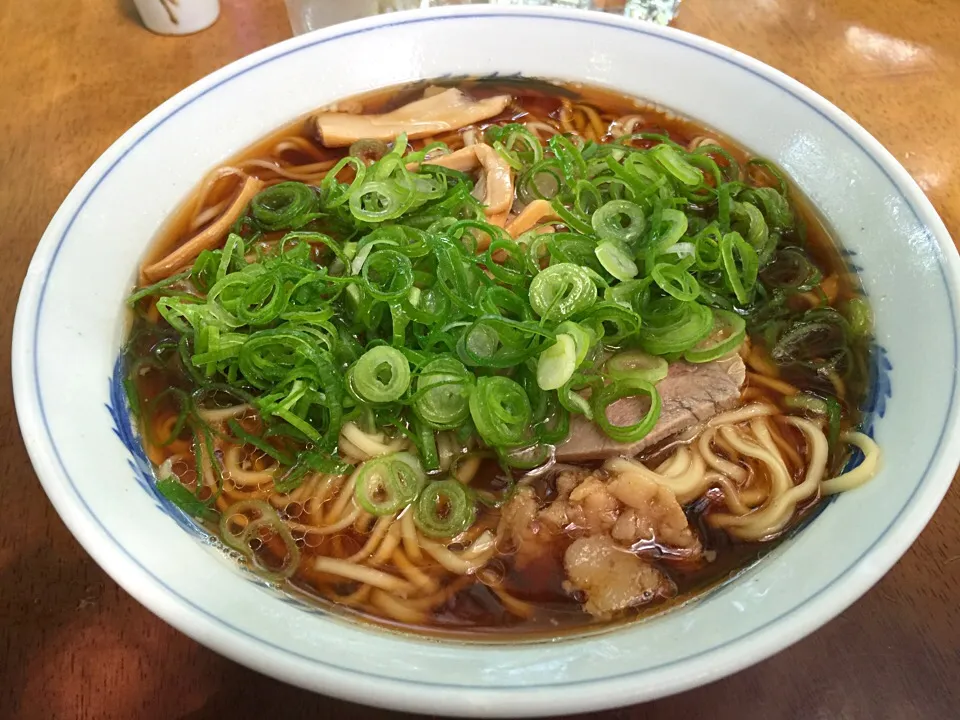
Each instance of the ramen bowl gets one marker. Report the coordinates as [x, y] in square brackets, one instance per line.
[71, 321]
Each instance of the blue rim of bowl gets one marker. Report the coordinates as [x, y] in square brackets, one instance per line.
[583, 19]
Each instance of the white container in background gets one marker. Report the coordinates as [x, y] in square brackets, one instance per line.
[177, 17]
[307, 15]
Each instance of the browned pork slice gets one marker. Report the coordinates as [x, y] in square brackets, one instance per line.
[583, 502]
[611, 577]
[519, 532]
[652, 513]
[689, 395]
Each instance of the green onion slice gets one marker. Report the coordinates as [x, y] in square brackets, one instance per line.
[618, 390]
[729, 331]
[616, 261]
[561, 291]
[500, 410]
[741, 264]
[387, 484]
[583, 338]
[636, 364]
[243, 526]
[619, 221]
[442, 398]
[557, 363]
[381, 375]
[444, 509]
[287, 205]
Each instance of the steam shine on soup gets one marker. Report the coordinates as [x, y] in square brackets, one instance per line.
[498, 358]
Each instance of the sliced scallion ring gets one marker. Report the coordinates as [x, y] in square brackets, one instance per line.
[617, 390]
[729, 331]
[636, 364]
[619, 220]
[616, 261]
[561, 291]
[442, 399]
[247, 536]
[381, 375]
[500, 410]
[583, 338]
[444, 509]
[557, 363]
[388, 483]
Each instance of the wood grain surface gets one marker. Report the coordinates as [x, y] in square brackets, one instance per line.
[74, 75]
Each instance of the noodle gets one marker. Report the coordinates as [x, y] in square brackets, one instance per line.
[412, 573]
[368, 445]
[373, 542]
[331, 529]
[387, 548]
[361, 573]
[517, 607]
[724, 467]
[396, 608]
[860, 474]
[411, 544]
[221, 414]
[774, 515]
[463, 563]
[784, 388]
[244, 478]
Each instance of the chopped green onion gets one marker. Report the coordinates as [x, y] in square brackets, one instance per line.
[258, 517]
[677, 225]
[676, 165]
[287, 205]
[500, 410]
[676, 281]
[381, 375]
[729, 331]
[741, 263]
[561, 291]
[617, 390]
[859, 316]
[673, 327]
[388, 483]
[444, 509]
[616, 261]
[619, 221]
[583, 338]
[387, 275]
[775, 207]
[557, 363]
[174, 491]
[636, 364]
[396, 320]
[442, 399]
[806, 401]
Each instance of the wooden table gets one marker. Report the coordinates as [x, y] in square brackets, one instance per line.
[74, 76]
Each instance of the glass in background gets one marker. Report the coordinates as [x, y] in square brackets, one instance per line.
[306, 15]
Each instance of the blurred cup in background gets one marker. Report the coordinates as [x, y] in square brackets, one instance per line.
[180, 17]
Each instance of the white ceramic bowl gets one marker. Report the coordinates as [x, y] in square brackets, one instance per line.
[70, 322]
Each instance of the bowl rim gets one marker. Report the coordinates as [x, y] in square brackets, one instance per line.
[150, 591]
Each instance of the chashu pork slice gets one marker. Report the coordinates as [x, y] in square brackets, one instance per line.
[690, 394]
